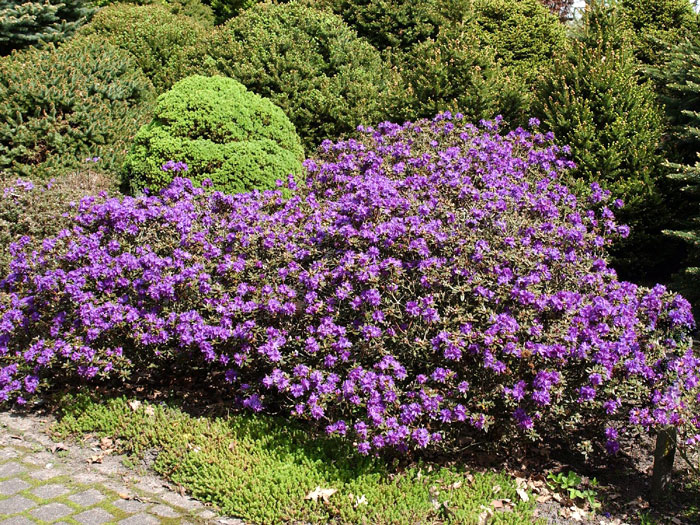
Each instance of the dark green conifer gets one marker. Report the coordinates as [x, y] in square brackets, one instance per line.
[26, 23]
[681, 78]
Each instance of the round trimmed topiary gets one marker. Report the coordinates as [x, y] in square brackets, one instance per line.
[85, 98]
[167, 47]
[308, 62]
[222, 131]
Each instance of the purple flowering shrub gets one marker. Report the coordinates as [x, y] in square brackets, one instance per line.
[429, 283]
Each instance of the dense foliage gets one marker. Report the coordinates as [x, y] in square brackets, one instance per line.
[40, 210]
[222, 132]
[525, 36]
[308, 62]
[193, 8]
[397, 24]
[167, 47]
[31, 22]
[658, 24]
[429, 281]
[478, 57]
[226, 9]
[60, 105]
[457, 72]
[595, 103]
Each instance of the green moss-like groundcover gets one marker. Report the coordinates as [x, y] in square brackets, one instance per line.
[261, 468]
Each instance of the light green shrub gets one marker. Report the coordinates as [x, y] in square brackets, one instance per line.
[222, 131]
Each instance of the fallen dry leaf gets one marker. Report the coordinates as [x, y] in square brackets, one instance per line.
[496, 489]
[106, 443]
[485, 515]
[97, 458]
[318, 492]
[456, 485]
[58, 446]
[150, 411]
[134, 404]
[523, 494]
[543, 498]
[497, 504]
[357, 500]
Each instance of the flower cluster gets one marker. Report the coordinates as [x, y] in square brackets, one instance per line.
[176, 167]
[429, 281]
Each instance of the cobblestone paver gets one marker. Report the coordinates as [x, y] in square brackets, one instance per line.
[75, 484]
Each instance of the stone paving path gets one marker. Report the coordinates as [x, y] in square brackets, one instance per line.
[43, 483]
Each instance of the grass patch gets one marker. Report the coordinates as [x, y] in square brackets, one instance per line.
[260, 468]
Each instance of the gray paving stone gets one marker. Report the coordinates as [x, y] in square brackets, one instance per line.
[38, 458]
[87, 498]
[93, 517]
[11, 468]
[8, 453]
[51, 511]
[88, 478]
[46, 474]
[50, 491]
[130, 505]
[14, 505]
[12, 486]
[118, 487]
[140, 519]
[150, 486]
[164, 511]
[17, 520]
[173, 498]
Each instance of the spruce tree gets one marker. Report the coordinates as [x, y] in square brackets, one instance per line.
[681, 77]
[27, 23]
[596, 103]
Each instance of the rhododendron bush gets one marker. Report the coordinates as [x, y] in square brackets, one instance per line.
[429, 283]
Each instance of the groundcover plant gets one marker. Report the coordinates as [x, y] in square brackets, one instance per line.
[428, 283]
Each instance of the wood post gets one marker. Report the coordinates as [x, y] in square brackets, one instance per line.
[663, 463]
